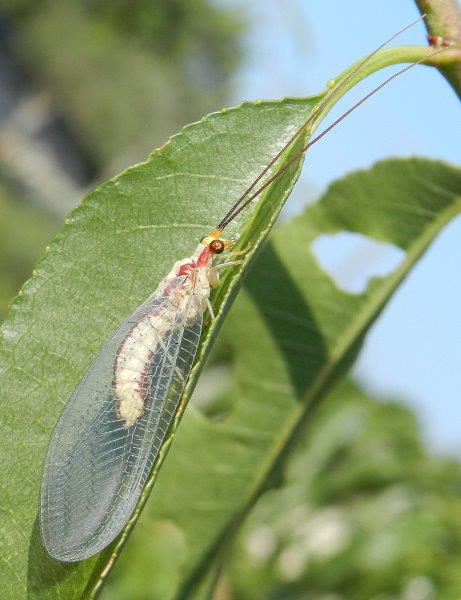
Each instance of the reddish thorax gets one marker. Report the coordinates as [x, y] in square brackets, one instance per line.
[204, 257]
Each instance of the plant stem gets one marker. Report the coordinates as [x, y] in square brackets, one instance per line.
[443, 18]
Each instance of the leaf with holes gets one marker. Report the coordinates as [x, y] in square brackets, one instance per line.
[305, 333]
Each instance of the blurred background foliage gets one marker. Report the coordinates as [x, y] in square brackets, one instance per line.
[169, 62]
[362, 510]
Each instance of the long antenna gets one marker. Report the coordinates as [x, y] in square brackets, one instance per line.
[248, 200]
[228, 216]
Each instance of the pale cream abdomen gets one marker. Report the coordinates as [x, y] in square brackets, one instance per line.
[132, 365]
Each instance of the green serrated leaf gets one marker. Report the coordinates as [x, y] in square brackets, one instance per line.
[293, 335]
[111, 254]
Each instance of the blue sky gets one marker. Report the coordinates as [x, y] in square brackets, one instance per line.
[292, 48]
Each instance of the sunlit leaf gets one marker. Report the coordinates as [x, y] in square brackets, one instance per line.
[110, 255]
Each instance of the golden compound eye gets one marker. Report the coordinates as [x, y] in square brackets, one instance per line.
[216, 246]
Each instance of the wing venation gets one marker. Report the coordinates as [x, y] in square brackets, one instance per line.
[96, 465]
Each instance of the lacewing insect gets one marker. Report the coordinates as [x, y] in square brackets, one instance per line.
[111, 431]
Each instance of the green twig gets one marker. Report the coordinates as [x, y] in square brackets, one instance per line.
[443, 18]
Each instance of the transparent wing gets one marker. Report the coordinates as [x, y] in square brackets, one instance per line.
[96, 467]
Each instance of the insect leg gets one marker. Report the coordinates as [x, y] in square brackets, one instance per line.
[228, 263]
[240, 252]
[210, 308]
